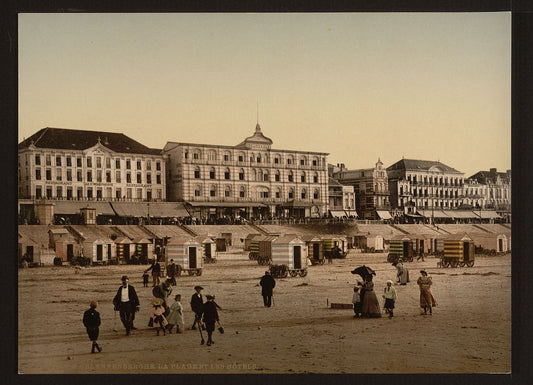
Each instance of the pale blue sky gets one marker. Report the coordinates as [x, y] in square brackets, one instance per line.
[359, 86]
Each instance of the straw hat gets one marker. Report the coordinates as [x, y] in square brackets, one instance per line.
[157, 301]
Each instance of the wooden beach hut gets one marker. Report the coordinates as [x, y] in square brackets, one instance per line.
[290, 251]
[186, 253]
[458, 251]
[315, 248]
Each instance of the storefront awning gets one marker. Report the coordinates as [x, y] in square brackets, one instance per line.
[74, 207]
[383, 214]
[433, 213]
[152, 209]
[461, 214]
[351, 213]
[486, 214]
[297, 204]
[337, 213]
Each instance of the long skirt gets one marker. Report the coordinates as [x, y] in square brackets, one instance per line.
[370, 306]
[426, 298]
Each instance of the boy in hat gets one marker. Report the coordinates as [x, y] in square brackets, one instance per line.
[390, 297]
[197, 306]
[91, 321]
[159, 322]
[210, 317]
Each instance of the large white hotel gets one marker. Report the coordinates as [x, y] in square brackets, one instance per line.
[250, 179]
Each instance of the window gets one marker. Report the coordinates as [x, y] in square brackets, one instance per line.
[227, 191]
[38, 192]
[108, 163]
[259, 159]
[212, 155]
[212, 191]
[117, 163]
[158, 179]
[227, 174]
[315, 162]
[139, 193]
[129, 193]
[241, 158]
[158, 166]
[226, 157]
[290, 177]
[278, 194]
[89, 176]
[138, 164]
[159, 194]
[69, 175]
[197, 191]
[302, 177]
[98, 162]
[59, 174]
[148, 164]
[289, 160]
[291, 194]
[196, 156]
[197, 173]
[263, 194]
[59, 192]
[304, 194]
[265, 177]
[37, 159]
[38, 174]
[117, 176]
[99, 175]
[302, 162]
[186, 154]
[315, 194]
[277, 176]
[69, 161]
[89, 193]
[212, 173]
[276, 160]
[48, 161]
[315, 178]
[128, 177]
[79, 176]
[108, 177]
[139, 177]
[78, 162]
[242, 192]
[241, 174]
[118, 193]
[89, 161]
[128, 164]
[49, 192]
[148, 178]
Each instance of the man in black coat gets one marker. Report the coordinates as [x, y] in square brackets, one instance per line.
[171, 272]
[156, 272]
[127, 302]
[210, 317]
[197, 306]
[267, 283]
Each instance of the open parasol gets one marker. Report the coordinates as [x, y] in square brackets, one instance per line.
[363, 271]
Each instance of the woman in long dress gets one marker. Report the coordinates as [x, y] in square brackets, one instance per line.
[370, 306]
[427, 301]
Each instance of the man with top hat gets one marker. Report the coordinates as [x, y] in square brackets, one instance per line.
[197, 306]
[267, 285]
[127, 303]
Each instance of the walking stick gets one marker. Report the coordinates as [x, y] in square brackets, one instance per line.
[200, 330]
[115, 322]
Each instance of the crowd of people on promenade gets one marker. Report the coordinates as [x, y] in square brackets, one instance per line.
[165, 316]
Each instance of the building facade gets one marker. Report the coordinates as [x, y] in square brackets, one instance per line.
[65, 164]
[341, 199]
[498, 188]
[371, 190]
[249, 180]
[423, 184]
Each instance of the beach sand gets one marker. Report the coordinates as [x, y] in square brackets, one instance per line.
[469, 331]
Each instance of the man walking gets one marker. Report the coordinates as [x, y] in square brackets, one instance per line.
[127, 303]
[267, 284]
[197, 306]
[171, 272]
[156, 271]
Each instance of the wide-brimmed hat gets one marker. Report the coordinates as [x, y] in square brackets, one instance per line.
[198, 288]
[423, 271]
[389, 281]
[210, 296]
[124, 278]
[157, 301]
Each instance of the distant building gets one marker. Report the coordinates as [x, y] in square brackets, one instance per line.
[341, 199]
[497, 190]
[65, 164]
[422, 185]
[371, 190]
[248, 180]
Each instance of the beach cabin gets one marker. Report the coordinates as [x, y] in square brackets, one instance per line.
[492, 243]
[208, 247]
[186, 253]
[124, 250]
[290, 250]
[458, 251]
[65, 244]
[144, 249]
[332, 241]
[248, 240]
[401, 247]
[315, 249]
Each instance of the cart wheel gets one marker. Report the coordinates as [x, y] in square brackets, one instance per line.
[454, 263]
[470, 263]
[445, 263]
[303, 273]
[293, 273]
[199, 272]
[191, 272]
[284, 274]
[462, 264]
[322, 261]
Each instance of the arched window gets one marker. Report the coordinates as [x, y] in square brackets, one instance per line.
[213, 190]
[302, 177]
[304, 194]
[316, 194]
[315, 178]
[303, 161]
[290, 177]
[227, 174]
[197, 190]
[227, 156]
[277, 176]
[212, 173]
[277, 159]
[265, 177]
[242, 192]
[197, 174]
[291, 193]
[212, 155]
[290, 160]
[278, 193]
[241, 174]
[227, 191]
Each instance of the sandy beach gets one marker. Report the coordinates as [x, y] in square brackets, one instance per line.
[469, 331]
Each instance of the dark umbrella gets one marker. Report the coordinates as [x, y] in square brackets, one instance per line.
[363, 271]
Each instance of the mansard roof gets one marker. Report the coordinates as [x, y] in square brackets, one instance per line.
[68, 139]
[256, 138]
[421, 165]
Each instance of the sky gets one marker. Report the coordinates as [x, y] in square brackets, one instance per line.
[359, 86]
